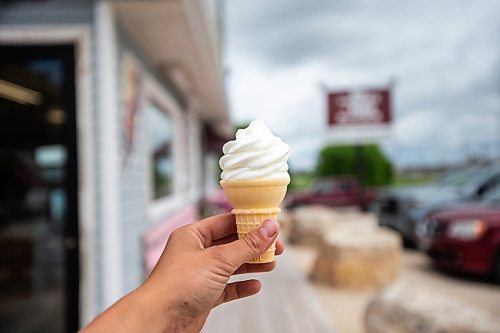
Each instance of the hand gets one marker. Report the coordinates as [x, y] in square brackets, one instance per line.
[191, 277]
[200, 258]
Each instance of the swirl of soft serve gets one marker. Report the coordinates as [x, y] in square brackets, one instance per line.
[255, 154]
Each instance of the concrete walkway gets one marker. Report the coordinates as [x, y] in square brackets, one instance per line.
[285, 304]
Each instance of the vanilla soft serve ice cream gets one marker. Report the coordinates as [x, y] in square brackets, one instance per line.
[255, 178]
[255, 154]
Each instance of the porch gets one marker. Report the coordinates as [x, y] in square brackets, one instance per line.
[285, 304]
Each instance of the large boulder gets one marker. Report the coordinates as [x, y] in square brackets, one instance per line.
[285, 218]
[310, 223]
[358, 255]
[406, 308]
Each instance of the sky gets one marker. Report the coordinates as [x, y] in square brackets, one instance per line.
[443, 58]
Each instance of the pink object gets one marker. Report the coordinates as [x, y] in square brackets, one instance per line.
[218, 199]
[154, 241]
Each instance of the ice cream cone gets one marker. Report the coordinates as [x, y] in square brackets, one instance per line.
[254, 201]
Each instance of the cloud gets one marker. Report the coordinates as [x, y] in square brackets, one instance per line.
[448, 138]
[296, 113]
[444, 57]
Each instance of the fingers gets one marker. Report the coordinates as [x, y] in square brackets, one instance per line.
[261, 268]
[255, 268]
[280, 247]
[237, 290]
[215, 227]
[225, 240]
[252, 245]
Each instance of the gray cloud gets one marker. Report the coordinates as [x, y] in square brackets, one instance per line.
[444, 55]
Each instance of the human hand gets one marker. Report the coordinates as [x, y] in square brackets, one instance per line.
[191, 278]
[198, 261]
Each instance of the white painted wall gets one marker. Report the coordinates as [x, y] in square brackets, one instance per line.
[106, 53]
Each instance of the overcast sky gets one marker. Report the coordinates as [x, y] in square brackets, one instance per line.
[443, 55]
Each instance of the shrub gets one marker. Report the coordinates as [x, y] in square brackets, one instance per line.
[343, 160]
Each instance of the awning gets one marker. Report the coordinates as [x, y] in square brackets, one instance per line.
[183, 40]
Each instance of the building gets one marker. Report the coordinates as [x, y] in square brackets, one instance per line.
[110, 116]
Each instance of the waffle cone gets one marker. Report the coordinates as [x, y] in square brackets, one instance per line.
[255, 201]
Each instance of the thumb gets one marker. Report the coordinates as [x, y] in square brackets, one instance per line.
[252, 245]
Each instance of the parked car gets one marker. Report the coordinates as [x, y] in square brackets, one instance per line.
[400, 209]
[335, 192]
[465, 237]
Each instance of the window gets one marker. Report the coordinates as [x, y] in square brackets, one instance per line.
[160, 148]
[185, 148]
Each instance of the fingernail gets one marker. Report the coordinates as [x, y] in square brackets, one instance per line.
[269, 228]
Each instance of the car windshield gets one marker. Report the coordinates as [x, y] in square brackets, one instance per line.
[323, 186]
[471, 181]
[492, 197]
[459, 177]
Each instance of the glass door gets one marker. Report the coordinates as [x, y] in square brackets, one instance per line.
[38, 190]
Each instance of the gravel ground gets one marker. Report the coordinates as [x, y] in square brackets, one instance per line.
[346, 307]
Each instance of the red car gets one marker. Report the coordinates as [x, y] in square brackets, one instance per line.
[465, 237]
[336, 192]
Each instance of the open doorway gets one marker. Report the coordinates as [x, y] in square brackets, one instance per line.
[39, 264]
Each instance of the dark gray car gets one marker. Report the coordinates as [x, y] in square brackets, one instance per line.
[401, 208]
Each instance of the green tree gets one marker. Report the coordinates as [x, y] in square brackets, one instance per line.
[342, 160]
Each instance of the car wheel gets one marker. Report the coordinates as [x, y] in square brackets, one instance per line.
[495, 274]
[294, 205]
[409, 243]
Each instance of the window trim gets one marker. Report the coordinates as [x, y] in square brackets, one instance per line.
[160, 208]
[151, 103]
[195, 159]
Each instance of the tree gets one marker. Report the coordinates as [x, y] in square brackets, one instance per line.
[342, 160]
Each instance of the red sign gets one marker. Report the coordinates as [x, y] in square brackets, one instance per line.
[365, 107]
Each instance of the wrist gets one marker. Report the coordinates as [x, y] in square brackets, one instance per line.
[139, 311]
[167, 311]
[157, 310]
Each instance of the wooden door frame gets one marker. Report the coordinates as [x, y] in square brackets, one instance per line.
[79, 36]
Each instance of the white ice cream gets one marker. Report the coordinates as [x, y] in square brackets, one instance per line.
[255, 154]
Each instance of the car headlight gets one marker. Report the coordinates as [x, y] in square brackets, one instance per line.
[466, 229]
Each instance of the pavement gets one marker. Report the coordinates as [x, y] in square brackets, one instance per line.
[346, 308]
[290, 302]
[286, 304]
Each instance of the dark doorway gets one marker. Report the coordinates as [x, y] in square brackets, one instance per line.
[39, 266]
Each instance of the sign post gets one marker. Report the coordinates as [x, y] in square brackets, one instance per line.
[359, 117]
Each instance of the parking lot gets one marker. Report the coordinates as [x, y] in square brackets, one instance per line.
[346, 308]
[475, 290]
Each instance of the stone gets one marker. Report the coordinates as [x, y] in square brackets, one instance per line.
[310, 223]
[285, 218]
[405, 308]
[358, 255]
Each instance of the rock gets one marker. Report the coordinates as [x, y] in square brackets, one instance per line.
[406, 308]
[310, 223]
[359, 256]
[285, 219]
[352, 250]
[355, 223]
